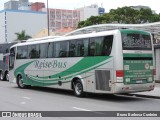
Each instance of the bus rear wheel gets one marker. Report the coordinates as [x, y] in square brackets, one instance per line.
[78, 88]
[6, 77]
[20, 82]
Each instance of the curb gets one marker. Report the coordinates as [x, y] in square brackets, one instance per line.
[145, 96]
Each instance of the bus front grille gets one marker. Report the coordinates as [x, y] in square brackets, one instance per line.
[102, 80]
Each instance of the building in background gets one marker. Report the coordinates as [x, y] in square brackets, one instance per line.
[12, 21]
[61, 18]
[37, 6]
[13, 5]
[88, 11]
[17, 5]
[24, 5]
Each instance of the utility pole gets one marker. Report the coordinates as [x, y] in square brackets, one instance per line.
[48, 18]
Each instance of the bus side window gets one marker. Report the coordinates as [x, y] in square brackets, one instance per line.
[61, 49]
[50, 50]
[98, 46]
[85, 47]
[22, 52]
[72, 47]
[43, 50]
[92, 47]
[33, 51]
[79, 48]
[107, 45]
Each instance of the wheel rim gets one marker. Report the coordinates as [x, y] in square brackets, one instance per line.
[20, 82]
[7, 77]
[78, 88]
[1, 76]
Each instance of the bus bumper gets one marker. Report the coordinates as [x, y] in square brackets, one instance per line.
[122, 88]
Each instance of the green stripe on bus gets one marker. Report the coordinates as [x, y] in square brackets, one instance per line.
[85, 65]
[68, 77]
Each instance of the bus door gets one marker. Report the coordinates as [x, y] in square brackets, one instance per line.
[11, 64]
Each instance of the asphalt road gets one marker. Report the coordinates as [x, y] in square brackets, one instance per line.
[47, 99]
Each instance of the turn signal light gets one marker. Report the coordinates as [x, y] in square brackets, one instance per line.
[119, 73]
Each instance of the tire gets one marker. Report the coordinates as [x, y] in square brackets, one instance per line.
[78, 88]
[6, 77]
[20, 82]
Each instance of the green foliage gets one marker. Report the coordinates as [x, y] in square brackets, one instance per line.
[22, 35]
[124, 15]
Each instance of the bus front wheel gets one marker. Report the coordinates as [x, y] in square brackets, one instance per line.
[20, 82]
[78, 88]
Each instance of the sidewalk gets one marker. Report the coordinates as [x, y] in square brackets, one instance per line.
[154, 93]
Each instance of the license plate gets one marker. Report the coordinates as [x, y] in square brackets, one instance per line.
[139, 81]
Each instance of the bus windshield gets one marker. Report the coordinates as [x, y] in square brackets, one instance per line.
[136, 41]
[11, 58]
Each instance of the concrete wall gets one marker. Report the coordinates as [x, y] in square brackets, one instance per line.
[31, 22]
[2, 27]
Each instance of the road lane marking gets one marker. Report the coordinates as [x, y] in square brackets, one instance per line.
[87, 110]
[23, 103]
[27, 98]
[81, 109]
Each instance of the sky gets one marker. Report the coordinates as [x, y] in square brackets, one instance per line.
[107, 4]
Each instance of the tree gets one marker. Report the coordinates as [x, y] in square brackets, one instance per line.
[22, 35]
[125, 15]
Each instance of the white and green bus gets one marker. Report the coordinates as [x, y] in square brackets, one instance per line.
[117, 61]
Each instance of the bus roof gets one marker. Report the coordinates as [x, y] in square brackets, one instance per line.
[42, 38]
[63, 38]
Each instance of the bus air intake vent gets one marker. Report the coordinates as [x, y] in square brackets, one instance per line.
[102, 80]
